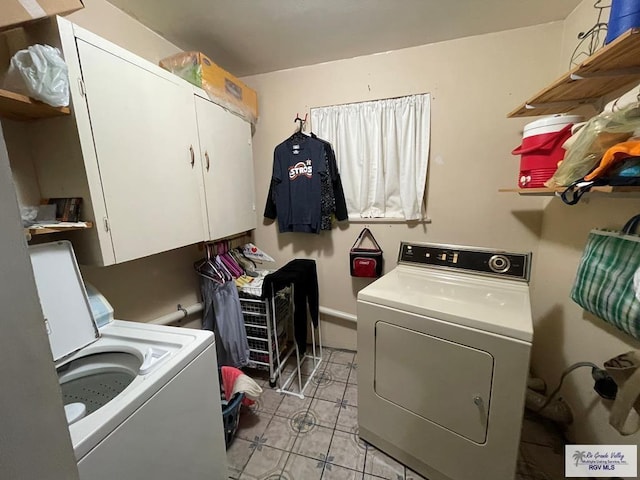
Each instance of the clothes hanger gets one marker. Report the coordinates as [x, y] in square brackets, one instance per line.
[233, 267]
[299, 134]
[223, 269]
[207, 268]
[235, 264]
[207, 258]
[200, 263]
[219, 273]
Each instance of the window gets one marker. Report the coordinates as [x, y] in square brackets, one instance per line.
[382, 149]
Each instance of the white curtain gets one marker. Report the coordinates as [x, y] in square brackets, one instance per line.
[382, 149]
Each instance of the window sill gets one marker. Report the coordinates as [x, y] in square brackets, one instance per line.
[422, 221]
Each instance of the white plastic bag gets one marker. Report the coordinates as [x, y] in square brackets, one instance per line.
[40, 72]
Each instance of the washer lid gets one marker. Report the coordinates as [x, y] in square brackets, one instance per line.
[63, 298]
[492, 305]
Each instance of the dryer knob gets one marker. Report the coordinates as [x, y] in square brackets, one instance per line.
[499, 263]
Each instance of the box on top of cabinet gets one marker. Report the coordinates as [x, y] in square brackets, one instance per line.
[222, 87]
[16, 12]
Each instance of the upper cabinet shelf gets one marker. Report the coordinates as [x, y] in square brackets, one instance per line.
[610, 68]
[20, 107]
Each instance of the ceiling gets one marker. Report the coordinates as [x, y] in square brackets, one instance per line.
[256, 36]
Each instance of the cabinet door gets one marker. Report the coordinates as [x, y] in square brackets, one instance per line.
[145, 137]
[227, 162]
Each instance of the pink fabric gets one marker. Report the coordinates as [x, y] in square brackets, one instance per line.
[229, 377]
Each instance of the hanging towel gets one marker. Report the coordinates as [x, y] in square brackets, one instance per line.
[223, 316]
[303, 275]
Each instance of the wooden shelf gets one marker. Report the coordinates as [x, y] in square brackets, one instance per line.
[610, 68]
[20, 107]
[48, 230]
[552, 191]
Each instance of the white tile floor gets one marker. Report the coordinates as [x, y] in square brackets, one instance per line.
[286, 438]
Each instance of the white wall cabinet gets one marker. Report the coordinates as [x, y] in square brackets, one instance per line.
[156, 169]
[227, 167]
[144, 137]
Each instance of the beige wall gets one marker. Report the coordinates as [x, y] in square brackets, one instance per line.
[474, 82]
[564, 334]
[102, 18]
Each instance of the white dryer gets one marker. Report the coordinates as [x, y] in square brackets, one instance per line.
[142, 401]
[443, 357]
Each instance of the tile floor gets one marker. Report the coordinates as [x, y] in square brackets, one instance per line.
[285, 438]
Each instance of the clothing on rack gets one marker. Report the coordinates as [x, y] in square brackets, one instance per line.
[338, 204]
[303, 275]
[327, 200]
[298, 164]
[255, 287]
[223, 315]
[231, 264]
[306, 190]
[246, 264]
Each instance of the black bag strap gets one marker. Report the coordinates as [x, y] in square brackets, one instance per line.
[366, 231]
[573, 193]
[632, 225]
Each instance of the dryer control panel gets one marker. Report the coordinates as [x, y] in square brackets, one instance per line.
[494, 263]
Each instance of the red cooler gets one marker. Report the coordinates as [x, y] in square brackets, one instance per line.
[541, 148]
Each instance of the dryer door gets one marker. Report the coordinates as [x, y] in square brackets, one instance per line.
[443, 382]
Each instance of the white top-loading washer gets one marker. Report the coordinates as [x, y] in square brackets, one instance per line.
[140, 399]
[443, 348]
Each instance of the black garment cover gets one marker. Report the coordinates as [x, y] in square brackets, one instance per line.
[303, 275]
[336, 182]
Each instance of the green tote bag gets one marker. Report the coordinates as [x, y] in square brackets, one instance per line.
[607, 283]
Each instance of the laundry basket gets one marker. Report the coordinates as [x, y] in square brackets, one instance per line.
[231, 416]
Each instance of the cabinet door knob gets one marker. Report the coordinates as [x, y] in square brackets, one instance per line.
[206, 156]
[193, 156]
[477, 399]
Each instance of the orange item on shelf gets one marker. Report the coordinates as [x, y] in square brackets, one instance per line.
[613, 155]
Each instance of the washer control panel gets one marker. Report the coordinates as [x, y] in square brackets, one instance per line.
[495, 263]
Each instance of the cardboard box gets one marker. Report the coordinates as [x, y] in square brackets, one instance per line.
[15, 12]
[221, 86]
